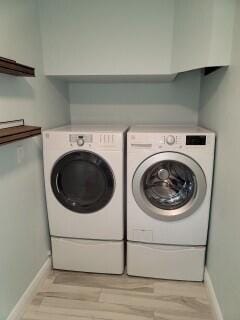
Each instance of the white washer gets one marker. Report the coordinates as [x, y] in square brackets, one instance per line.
[84, 180]
[169, 181]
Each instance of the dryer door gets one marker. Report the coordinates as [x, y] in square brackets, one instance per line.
[82, 182]
[169, 186]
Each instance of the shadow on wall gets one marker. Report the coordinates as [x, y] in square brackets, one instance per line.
[41, 101]
[14, 87]
[210, 90]
[19, 87]
[16, 98]
[172, 102]
[58, 85]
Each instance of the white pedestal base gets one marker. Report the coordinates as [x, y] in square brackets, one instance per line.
[165, 262]
[88, 255]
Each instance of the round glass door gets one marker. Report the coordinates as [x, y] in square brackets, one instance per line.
[82, 182]
[169, 186]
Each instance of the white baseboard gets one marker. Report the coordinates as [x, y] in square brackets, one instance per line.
[213, 298]
[31, 290]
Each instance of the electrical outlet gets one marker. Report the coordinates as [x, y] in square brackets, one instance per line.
[20, 154]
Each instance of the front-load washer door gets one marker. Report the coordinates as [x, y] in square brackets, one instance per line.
[82, 182]
[169, 186]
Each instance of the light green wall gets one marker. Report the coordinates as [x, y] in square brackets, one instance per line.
[134, 37]
[202, 33]
[107, 36]
[23, 220]
[220, 111]
[173, 102]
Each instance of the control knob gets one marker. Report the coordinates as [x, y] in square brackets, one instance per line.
[170, 140]
[80, 141]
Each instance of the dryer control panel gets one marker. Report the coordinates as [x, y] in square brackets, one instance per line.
[106, 141]
[80, 139]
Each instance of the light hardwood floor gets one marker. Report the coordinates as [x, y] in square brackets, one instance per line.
[85, 296]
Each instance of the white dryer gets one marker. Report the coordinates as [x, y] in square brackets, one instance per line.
[84, 180]
[169, 181]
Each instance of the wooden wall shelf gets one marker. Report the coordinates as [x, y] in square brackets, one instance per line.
[16, 69]
[8, 135]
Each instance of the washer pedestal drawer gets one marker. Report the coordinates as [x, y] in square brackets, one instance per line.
[88, 255]
[165, 262]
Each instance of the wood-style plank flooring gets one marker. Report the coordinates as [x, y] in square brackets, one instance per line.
[84, 296]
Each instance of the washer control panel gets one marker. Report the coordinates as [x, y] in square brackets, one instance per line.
[173, 140]
[170, 140]
[195, 140]
[165, 141]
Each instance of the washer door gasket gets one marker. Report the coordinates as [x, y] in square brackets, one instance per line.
[82, 181]
[169, 186]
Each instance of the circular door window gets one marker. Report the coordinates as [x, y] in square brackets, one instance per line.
[82, 182]
[169, 186]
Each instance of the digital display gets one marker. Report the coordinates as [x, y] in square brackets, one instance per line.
[196, 140]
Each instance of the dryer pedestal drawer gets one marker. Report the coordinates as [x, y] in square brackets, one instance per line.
[165, 262]
[88, 255]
